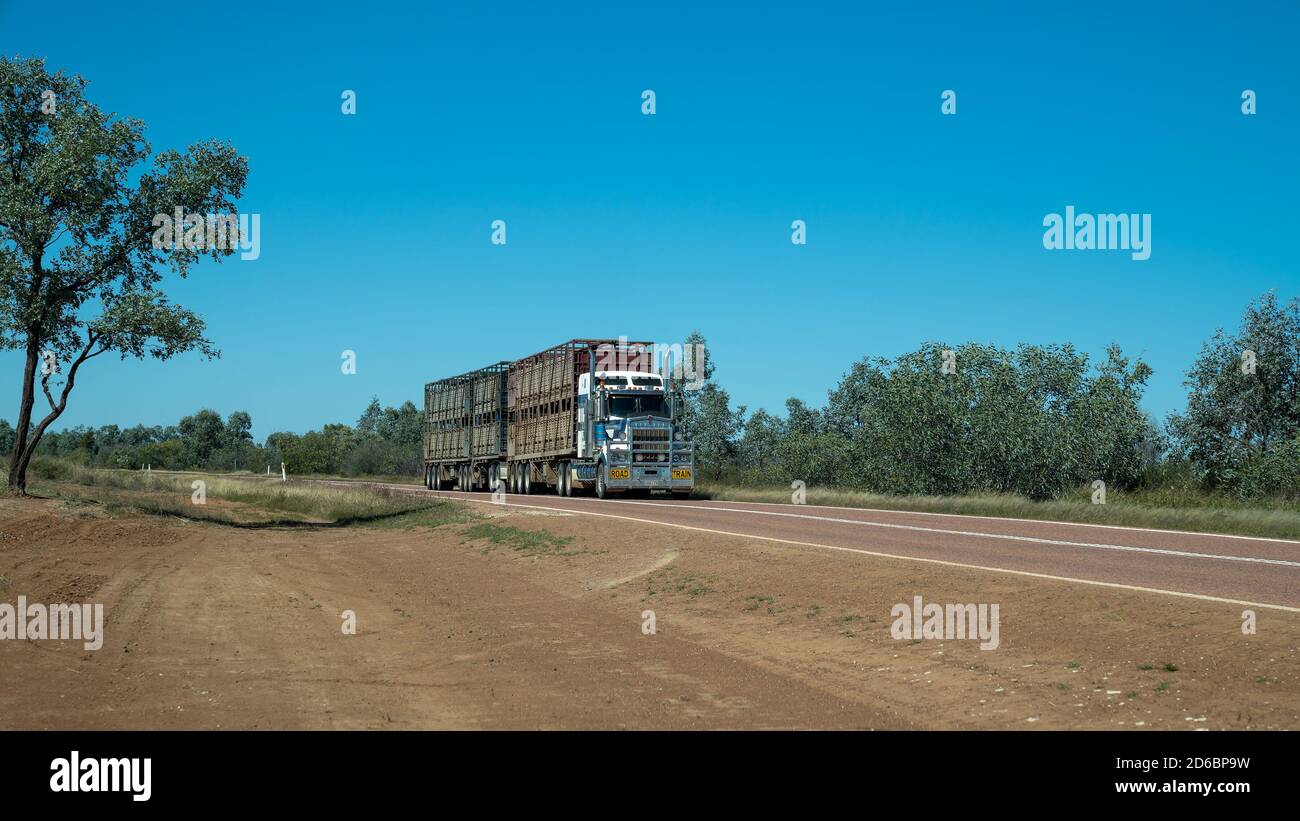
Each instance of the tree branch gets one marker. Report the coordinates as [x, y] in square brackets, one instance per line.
[56, 409]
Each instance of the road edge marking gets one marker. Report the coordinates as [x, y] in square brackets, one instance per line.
[878, 554]
[1206, 533]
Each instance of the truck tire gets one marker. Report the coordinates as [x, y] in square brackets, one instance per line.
[602, 490]
[566, 480]
[528, 479]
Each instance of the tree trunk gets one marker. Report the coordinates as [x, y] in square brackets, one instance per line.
[20, 457]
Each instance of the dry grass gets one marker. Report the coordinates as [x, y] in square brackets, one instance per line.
[1211, 516]
[245, 502]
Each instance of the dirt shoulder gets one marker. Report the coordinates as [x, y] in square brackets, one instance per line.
[480, 625]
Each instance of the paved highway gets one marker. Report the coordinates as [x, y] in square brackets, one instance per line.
[1240, 570]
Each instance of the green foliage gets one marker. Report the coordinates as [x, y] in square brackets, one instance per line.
[1240, 426]
[1273, 473]
[79, 270]
[201, 435]
[6, 437]
[705, 412]
[1040, 422]
[202, 441]
[1036, 421]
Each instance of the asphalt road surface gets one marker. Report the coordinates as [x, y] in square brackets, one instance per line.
[1241, 570]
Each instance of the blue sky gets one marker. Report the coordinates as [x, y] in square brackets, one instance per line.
[375, 227]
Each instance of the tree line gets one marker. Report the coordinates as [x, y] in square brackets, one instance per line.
[384, 441]
[1035, 420]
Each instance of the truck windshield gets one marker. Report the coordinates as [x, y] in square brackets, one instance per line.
[624, 406]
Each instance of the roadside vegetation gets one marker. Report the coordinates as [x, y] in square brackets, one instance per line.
[1038, 432]
[1035, 432]
[520, 540]
[247, 502]
[1163, 510]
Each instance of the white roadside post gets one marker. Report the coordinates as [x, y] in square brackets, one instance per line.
[283, 476]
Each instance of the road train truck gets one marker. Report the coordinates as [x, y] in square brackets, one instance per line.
[589, 415]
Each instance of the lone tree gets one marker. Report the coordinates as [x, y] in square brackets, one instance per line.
[80, 206]
[1244, 399]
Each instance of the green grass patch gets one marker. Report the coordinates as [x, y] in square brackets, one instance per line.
[756, 603]
[672, 580]
[526, 542]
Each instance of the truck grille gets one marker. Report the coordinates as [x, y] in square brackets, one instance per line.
[650, 445]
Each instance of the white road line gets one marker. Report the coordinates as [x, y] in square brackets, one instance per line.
[916, 513]
[1161, 551]
[1018, 519]
[1093, 582]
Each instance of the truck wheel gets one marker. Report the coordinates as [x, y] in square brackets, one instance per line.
[601, 489]
[566, 479]
[528, 479]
